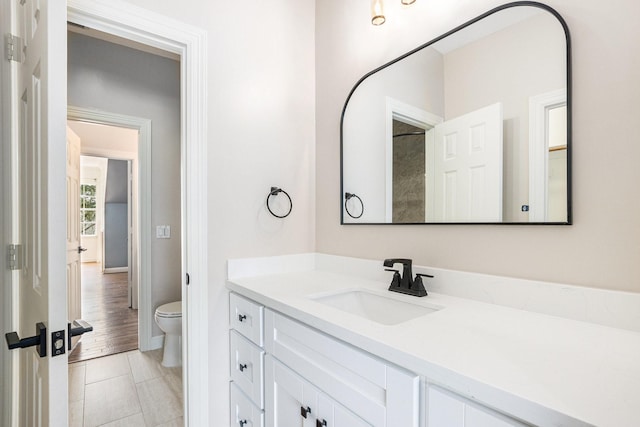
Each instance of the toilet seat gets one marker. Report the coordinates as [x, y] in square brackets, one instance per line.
[170, 310]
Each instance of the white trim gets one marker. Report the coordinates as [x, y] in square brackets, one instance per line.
[134, 23]
[408, 114]
[111, 270]
[539, 151]
[143, 234]
[156, 342]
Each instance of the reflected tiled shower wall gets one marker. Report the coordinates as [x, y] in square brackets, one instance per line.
[408, 173]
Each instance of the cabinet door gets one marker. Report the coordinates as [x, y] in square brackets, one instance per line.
[290, 401]
[332, 414]
[446, 409]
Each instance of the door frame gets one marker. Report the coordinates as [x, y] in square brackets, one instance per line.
[190, 43]
[142, 232]
[539, 105]
[406, 113]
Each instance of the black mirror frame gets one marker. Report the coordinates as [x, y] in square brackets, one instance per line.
[429, 43]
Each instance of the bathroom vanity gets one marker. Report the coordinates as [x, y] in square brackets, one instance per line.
[318, 340]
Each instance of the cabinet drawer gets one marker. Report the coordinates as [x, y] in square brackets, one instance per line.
[380, 393]
[243, 412]
[245, 316]
[247, 367]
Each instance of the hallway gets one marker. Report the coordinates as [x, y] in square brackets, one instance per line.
[105, 306]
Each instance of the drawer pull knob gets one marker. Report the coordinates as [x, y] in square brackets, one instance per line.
[305, 411]
[321, 423]
[242, 422]
[242, 317]
[242, 367]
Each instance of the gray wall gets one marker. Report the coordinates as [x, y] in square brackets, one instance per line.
[121, 80]
[115, 215]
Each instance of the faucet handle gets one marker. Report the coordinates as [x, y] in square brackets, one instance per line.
[395, 282]
[418, 285]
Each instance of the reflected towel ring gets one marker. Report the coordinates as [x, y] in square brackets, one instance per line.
[274, 192]
[348, 196]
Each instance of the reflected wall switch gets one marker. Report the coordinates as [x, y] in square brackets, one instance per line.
[163, 232]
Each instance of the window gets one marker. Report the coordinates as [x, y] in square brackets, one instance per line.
[88, 209]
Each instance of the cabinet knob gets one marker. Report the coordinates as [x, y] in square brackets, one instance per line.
[305, 411]
[242, 422]
[241, 317]
[321, 423]
[242, 367]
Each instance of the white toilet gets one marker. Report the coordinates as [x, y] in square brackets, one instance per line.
[169, 319]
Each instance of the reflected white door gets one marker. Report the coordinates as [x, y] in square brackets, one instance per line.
[38, 109]
[467, 167]
[74, 299]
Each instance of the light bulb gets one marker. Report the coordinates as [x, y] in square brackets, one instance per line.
[377, 12]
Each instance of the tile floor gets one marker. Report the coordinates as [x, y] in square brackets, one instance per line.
[125, 389]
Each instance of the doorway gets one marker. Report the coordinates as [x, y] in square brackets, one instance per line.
[108, 218]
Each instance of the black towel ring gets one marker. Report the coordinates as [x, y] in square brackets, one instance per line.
[348, 196]
[274, 192]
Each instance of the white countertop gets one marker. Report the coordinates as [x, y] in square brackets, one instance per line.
[543, 369]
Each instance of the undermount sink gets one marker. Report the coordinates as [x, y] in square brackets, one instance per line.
[381, 309]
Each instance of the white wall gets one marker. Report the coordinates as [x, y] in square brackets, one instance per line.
[601, 249]
[261, 126]
[121, 80]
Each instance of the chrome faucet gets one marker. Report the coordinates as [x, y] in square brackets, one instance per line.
[405, 284]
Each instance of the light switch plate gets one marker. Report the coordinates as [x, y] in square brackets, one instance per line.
[163, 232]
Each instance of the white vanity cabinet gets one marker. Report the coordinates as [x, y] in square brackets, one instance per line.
[246, 362]
[294, 401]
[370, 391]
[285, 373]
[446, 409]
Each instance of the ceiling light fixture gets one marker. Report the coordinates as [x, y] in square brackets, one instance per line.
[377, 12]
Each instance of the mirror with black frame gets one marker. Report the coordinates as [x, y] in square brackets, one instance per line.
[473, 127]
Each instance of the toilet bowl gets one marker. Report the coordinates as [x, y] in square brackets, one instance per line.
[169, 319]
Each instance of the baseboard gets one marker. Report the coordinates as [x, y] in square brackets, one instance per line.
[156, 342]
[116, 270]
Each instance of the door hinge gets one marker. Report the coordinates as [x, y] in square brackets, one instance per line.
[13, 47]
[14, 257]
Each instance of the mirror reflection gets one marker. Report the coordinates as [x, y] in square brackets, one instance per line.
[470, 129]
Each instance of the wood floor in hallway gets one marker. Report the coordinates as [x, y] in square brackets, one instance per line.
[105, 305]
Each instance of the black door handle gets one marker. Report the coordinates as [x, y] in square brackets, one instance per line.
[81, 249]
[79, 327]
[40, 340]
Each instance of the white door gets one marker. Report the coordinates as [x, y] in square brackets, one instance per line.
[38, 118]
[467, 167]
[74, 299]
